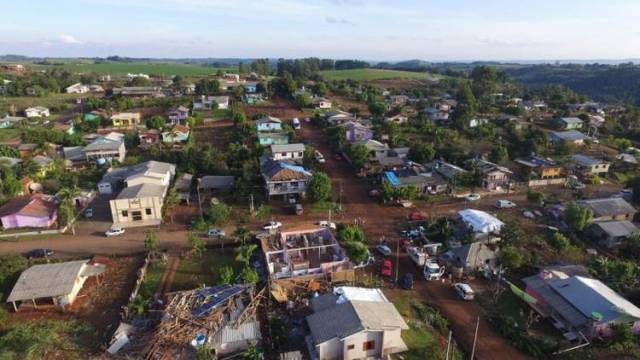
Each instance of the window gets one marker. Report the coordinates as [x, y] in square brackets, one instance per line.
[369, 345]
[125, 213]
[350, 347]
[147, 211]
[136, 215]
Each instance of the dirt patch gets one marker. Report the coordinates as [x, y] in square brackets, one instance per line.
[276, 107]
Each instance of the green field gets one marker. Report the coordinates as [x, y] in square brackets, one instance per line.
[373, 74]
[122, 68]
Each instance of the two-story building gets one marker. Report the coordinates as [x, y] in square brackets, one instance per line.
[494, 177]
[206, 102]
[282, 178]
[589, 166]
[355, 131]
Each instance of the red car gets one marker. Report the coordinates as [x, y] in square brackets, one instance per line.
[386, 268]
[416, 216]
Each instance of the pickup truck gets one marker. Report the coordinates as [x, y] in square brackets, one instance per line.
[418, 256]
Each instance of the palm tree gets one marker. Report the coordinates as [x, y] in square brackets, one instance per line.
[243, 253]
[67, 208]
[241, 233]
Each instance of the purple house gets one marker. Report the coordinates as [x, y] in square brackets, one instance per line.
[357, 132]
[28, 211]
[178, 115]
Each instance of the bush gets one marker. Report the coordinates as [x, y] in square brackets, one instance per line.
[559, 241]
[356, 251]
[351, 233]
[535, 197]
[511, 257]
[218, 214]
[248, 275]
[319, 186]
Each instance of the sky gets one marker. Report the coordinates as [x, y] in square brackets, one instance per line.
[384, 30]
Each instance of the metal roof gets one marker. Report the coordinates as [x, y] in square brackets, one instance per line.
[608, 206]
[51, 280]
[286, 148]
[621, 228]
[142, 190]
[586, 160]
[215, 182]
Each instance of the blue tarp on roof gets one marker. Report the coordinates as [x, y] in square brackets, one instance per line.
[392, 178]
[295, 168]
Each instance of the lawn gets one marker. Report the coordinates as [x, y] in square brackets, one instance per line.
[204, 270]
[122, 68]
[373, 74]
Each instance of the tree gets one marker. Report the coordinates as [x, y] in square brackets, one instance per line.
[10, 186]
[155, 122]
[359, 155]
[511, 233]
[218, 214]
[207, 87]
[578, 217]
[422, 153]
[536, 198]
[466, 109]
[356, 251]
[226, 275]
[252, 353]
[171, 201]
[151, 243]
[350, 233]
[303, 100]
[66, 209]
[197, 244]
[320, 88]
[377, 108]
[499, 154]
[248, 275]
[511, 257]
[244, 252]
[319, 186]
[11, 265]
[241, 233]
[559, 241]
[336, 136]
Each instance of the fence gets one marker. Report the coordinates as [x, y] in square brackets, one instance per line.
[545, 182]
[142, 272]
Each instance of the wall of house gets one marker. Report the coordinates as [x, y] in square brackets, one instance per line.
[289, 155]
[151, 204]
[18, 221]
[330, 350]
[358, 340]
[392, 340]
[77, 286]
[149, 180]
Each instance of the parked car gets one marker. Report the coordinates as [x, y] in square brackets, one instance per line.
[298, 209]
[505, 204]
[407, 281]
[472, 197]
[416, 216]
[213, 232]
[325, 223]
[38, 253]
[464, 291]
[116, 231]
[386, 268]
[528, 214]
[272, 225]
[383, 249]
[88, 213]
[319, 157]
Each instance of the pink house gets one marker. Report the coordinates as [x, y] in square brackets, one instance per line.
[28, 211]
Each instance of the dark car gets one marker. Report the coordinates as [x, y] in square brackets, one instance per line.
[38, 253]
[407, 281]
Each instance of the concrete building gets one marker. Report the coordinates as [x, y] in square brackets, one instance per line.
[289, 152]
[126, 119]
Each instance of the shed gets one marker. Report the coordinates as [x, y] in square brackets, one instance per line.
[215, 183]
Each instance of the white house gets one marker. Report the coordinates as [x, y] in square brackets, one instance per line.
[289, 152]
[77, 88]
[321, 103]
[36, 111]
[206, 102]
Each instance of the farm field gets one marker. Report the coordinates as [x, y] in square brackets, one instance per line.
[373, 74]
[122, 68]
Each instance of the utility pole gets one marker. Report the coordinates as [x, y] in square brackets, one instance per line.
[448, 345]
[475, 339]
[251, 210]
[199, 200]
[397, 258]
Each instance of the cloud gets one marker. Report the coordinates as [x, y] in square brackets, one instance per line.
[332, 20]
[68, 39]
[347, 2]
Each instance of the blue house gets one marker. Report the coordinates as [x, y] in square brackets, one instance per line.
[268, 124]
[251, 87]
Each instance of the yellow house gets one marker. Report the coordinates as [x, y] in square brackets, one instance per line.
[126, 119]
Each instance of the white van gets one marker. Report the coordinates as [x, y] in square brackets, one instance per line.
[296, 123]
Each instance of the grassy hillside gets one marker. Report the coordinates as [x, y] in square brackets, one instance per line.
[122, 68]
[372, 74]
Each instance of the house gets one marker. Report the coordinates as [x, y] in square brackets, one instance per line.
[77, 88]
[131, 76]
[305, 253]
[26, 150]
[28, 211]
[138, 205]
[269, 124]
[354, 323]
[10, 121]
[251, 87]
[93, 116]
[284, 179]
[436, 115]
[572, 136]
[177, 134]
[532, 105]
[183, 186]
[206, 102]
[215, 184]
[65, 127]
[569, 123]
[478, 221]
[139, 91]
[36, 111]
[178, 115]
[126, 119]
[337, 117]
[612, 234]
[96, 88]
[60, 282]
[289, 152]
[148, 137]
[397, 118]
[152, 172]
[252, 98]
[589, 166]
[271, 138]
[44, 164]
[475, 122]
[108, 147]
[494, 177]
[17, 68]
[397, 100]
[472, 257]
[416, 176]
[321, 103]
[577, 304]
[596, 121]
[449, 171]
[535, 167]
[355, 131]
[609, 209]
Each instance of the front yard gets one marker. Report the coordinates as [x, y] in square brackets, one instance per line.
[195, 271]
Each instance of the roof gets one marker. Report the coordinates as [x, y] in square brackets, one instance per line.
[372, 145]
[184, 182]
[569, 135]
[535, 162]
[268, 119]
[215, 182]
[112, 141]
[156, 169]
[51, 280]
[476, 253]
[281, 171]
[586, 160]
[617, 228]
[608, 206]
[480, 221]
[354, 316]
[42, 160]
[571, 120]
[287, 148]
[28, 205]
[141, 191]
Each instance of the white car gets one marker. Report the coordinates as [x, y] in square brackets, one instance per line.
[505, 204]
[215, 232]
[472, 197]
[319, 157]
[325, 223]
[114, 232]
[383, 249]
[272, 225]
[464, 291]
